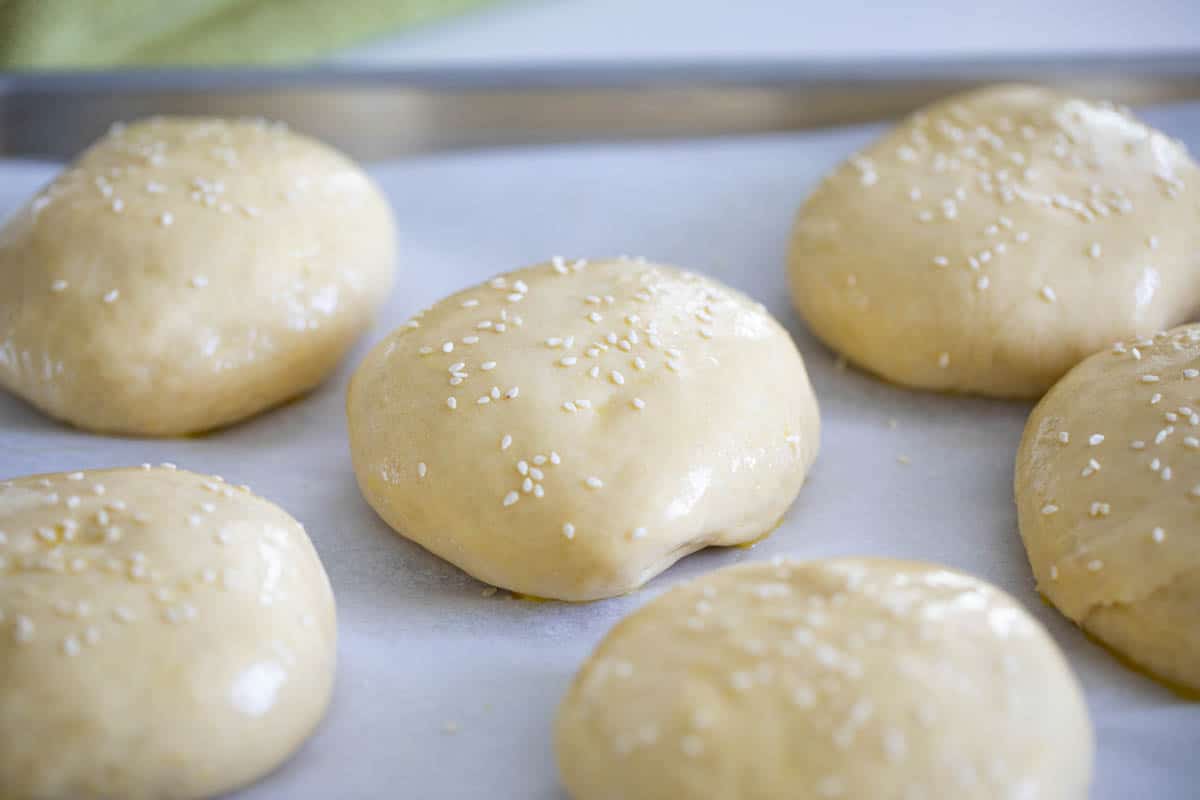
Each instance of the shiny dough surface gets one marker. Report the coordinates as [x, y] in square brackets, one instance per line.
[847, 678]
[571, 429]
[185, 273]
[992, 241]
[1108, 492]
[163, 634]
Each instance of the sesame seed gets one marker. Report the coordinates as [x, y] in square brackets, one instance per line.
[511, 498]
[1064, 437]
[424, 351]
[639, 533]
[555, 458]
[495, 393]
[483, 400]
[594, 483]
[71, 646]
[570, 406]
[111, 296]
[470, 303]
[1158, 534]
[1095, 565]
[1156, 397]
[638, 403]
[422, 469]
[943, 360]
[567, 361]
[1094, 251]
[447, 347]
[1149, 379]
[488, 366]
[1048, 294]
[568, 530]
[470, 340]
[1191, 373]
[1095, 439]
[1049, 509]
[451, 403]
[595, 316]
[1053, 572]
[617, 378]
[523, 467]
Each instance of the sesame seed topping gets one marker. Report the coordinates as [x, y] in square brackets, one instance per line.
[594, 483]
[943, 360]
[1064, 437]
[1095, 565]
[638, 533]
[112, 295]
[617, 377]
[1149, 379]
[568, 530]
[638, 403]
[568, 361]
[447, 347]
[511, 498]
[451, 403]
[422, 469]
[1095, 439]
[1049, 508]
[1048, 294]
[488, 366]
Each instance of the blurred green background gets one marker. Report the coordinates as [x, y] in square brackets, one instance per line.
[64, 34]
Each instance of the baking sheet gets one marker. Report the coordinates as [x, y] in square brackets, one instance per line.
[445, 693]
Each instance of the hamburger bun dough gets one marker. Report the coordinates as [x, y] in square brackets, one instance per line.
[992, 241]
[1108, 492]
[162, 635]
[184, 274]
[571, 429]
[849, 679]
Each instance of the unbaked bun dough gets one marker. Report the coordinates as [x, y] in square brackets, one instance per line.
[1108, 492]
[186, 273]
[992, 241]
[571, 429]
[854, 679]
[162, 634]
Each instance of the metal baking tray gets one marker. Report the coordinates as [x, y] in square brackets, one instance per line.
[375, 114]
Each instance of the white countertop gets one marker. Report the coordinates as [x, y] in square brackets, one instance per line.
[685, 30]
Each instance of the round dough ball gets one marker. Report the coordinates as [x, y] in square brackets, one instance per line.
[1108, 493]
[184, 274]
[162, 635]
[994, 240]
[829, 679]
[570, 430]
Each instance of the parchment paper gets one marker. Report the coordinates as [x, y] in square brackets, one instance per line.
[421, 650]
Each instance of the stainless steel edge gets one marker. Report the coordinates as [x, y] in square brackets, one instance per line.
[375, 114]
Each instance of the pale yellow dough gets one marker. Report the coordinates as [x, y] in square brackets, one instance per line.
[162, 635]
[854, 679]
[571, 429]
[1108, 493]
[184, 274]
[992, 241]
